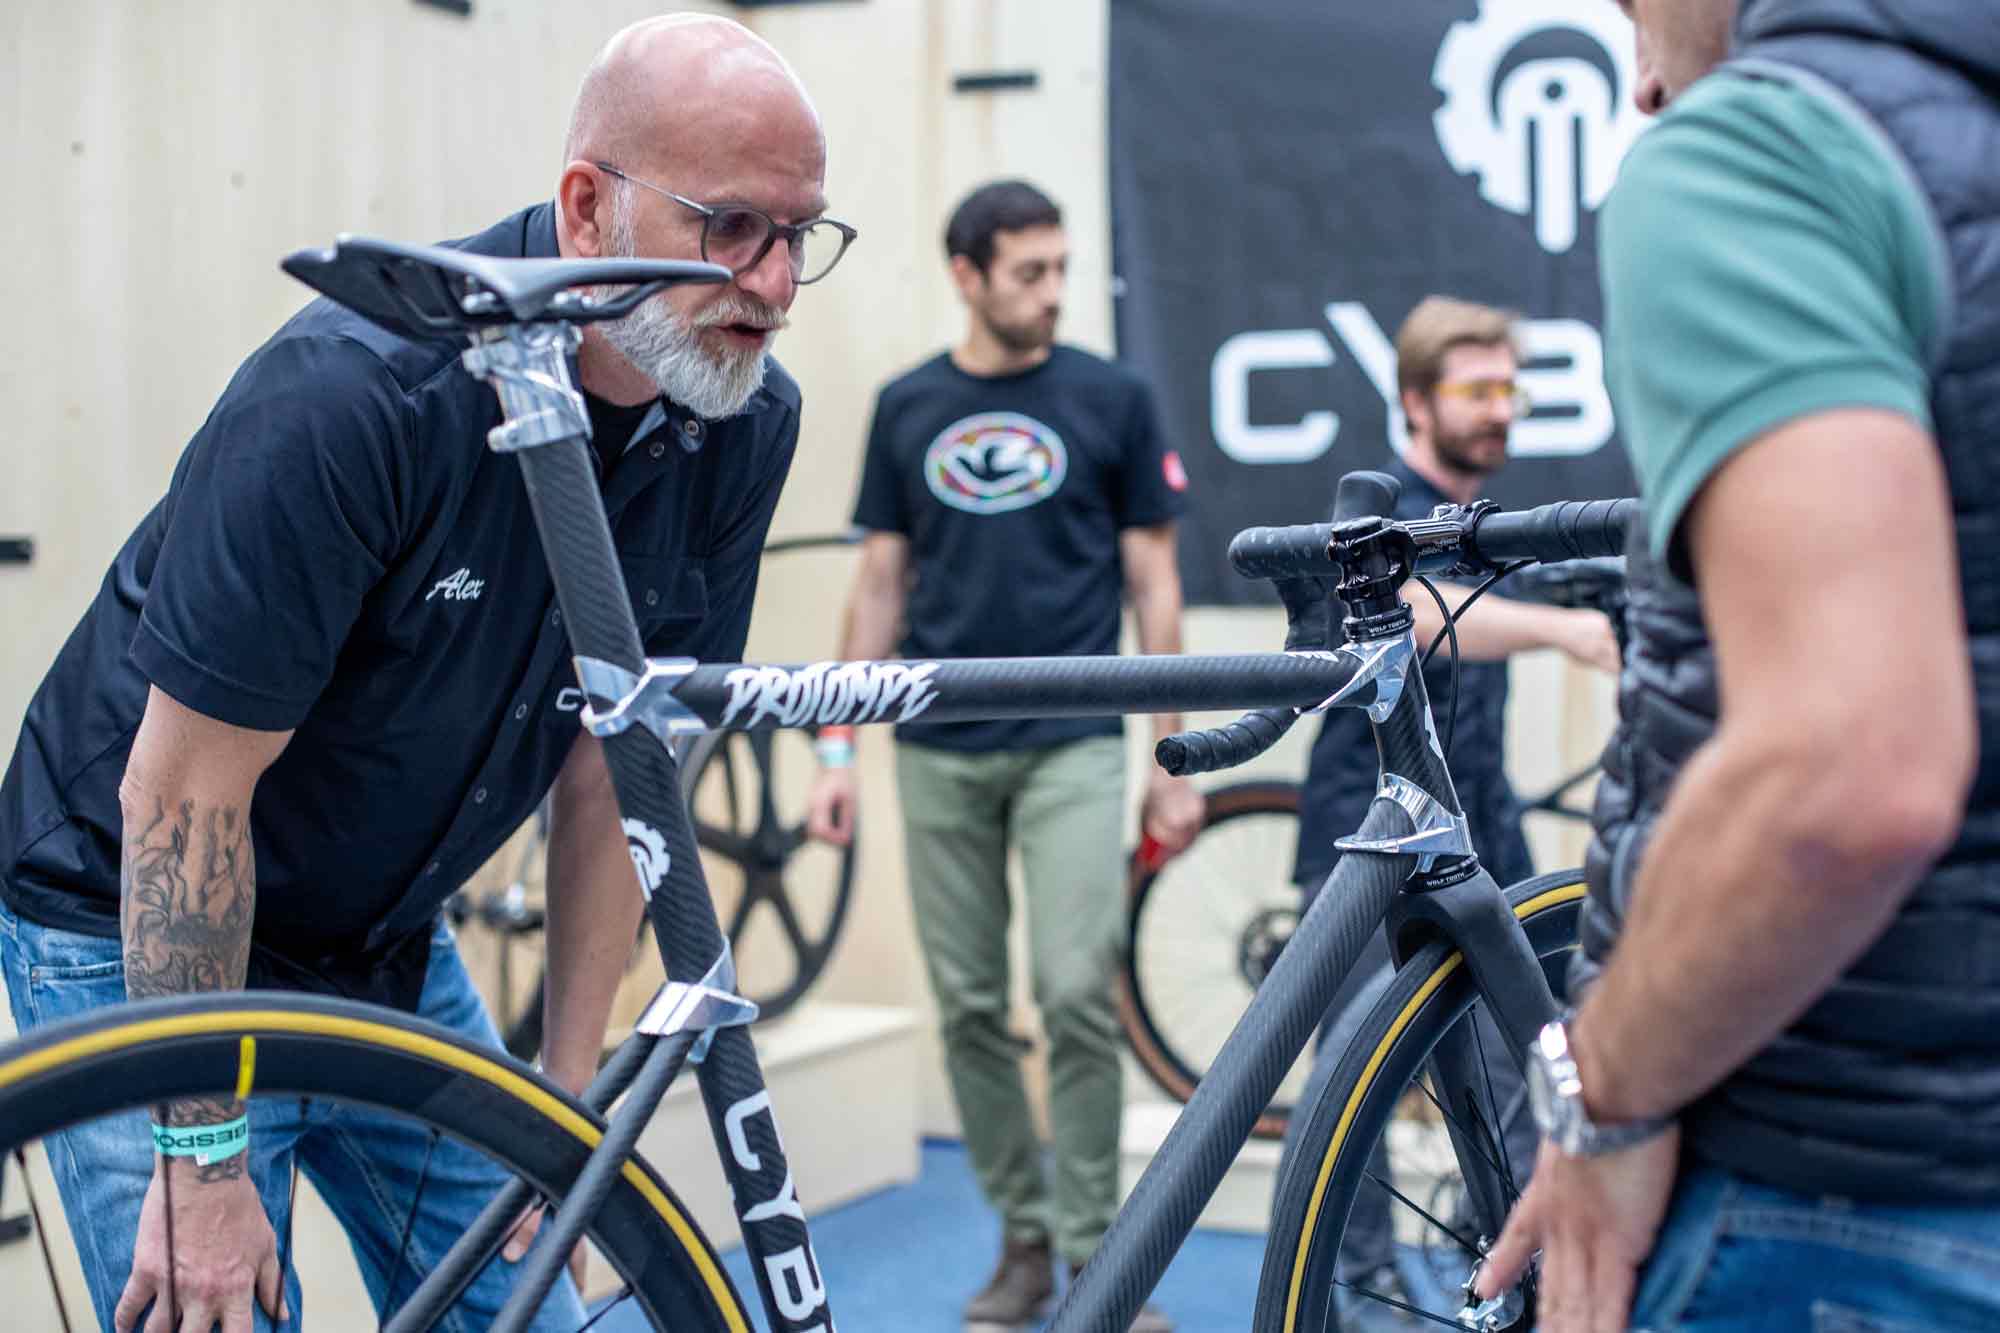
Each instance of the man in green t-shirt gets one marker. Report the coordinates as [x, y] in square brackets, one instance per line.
[1794, 864]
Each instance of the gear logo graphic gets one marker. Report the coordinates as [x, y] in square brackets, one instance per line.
[1544, 133]
[649, 855]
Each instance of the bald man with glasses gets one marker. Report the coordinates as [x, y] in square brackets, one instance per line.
[337, 608]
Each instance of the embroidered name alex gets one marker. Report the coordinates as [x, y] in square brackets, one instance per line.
[459, 586]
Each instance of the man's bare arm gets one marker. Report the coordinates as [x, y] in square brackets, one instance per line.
[873, 624]
[881, 592]
[594, 904]
[1172, 812]
[1153, 583]
[1497, 627]
[1838, 771]
[188, 874]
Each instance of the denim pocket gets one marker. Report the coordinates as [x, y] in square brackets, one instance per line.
[66, 989]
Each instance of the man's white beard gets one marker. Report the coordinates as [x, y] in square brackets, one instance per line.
[667, 348]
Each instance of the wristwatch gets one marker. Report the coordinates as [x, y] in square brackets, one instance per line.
[1555, 1093]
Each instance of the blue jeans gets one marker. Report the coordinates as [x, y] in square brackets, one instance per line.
[365, 1165]
[1734, 1255]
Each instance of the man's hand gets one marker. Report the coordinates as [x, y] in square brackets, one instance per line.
[1172, 813]
[224, 1255]
[1591, 640]
[523, 1235]
[830, 806]
[1594, 1219]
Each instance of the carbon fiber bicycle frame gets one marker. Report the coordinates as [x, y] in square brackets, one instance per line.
[521, 346]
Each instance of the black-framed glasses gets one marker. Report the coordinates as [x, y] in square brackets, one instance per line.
[738, 237]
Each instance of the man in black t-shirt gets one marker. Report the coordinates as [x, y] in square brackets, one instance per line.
[1012, 490]
[340, 606]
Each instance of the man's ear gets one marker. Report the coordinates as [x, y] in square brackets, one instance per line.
[965, 275]
[1416, 410]
[583, 210]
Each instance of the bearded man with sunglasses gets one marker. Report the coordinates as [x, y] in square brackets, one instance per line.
[1455, 368]
[340, 606]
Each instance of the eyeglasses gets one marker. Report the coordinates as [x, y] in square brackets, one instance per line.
[1487, 393]
[738, 237]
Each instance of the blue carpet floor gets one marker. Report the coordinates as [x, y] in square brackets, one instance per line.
[907, 1259]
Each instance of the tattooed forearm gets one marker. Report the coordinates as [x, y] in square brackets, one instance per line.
[188, 890]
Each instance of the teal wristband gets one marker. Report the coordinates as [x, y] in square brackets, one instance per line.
[834, 753]
[207, 1144]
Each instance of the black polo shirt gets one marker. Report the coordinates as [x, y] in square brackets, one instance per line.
[339, 553]
[1341, 775]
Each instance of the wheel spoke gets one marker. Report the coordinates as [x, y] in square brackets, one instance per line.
[42, 1237]
[728, 845]
[1424, 1213]
[801, 946]
[160, 1117]
[1404, 1306]
[291, 1210]
[1470, 1137]
[767, 796]
[732, 791]
[410, 1220]
[1497, 1134]
[742, 912]
[624, 1294]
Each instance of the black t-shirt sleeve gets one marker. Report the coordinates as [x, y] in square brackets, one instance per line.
[881, 505]
[1151, 478]
[284, 515]
[735, 558]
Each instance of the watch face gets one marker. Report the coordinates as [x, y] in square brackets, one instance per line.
[1541, 1095]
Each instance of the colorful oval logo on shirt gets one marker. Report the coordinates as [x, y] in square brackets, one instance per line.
[995, 462]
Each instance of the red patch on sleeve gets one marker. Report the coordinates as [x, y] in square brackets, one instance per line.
[1170, 465]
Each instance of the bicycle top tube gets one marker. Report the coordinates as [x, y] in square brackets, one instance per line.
[681, 695]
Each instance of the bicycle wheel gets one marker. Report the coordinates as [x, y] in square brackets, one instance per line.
[1379, 1091]
[137, 1055]
[1202, 931]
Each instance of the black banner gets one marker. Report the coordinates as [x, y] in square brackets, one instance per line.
[1290, 177]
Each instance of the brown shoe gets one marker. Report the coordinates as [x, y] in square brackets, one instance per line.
[1150, 1319]
[1019, 1291]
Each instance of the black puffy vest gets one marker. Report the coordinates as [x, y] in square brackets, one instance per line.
[1889, 1086]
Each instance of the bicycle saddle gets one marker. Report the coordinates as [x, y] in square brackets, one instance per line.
[431, 291]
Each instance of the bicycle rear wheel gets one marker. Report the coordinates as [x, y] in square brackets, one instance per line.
[137, 1055]
[1380, 1092]
[1202, 931]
